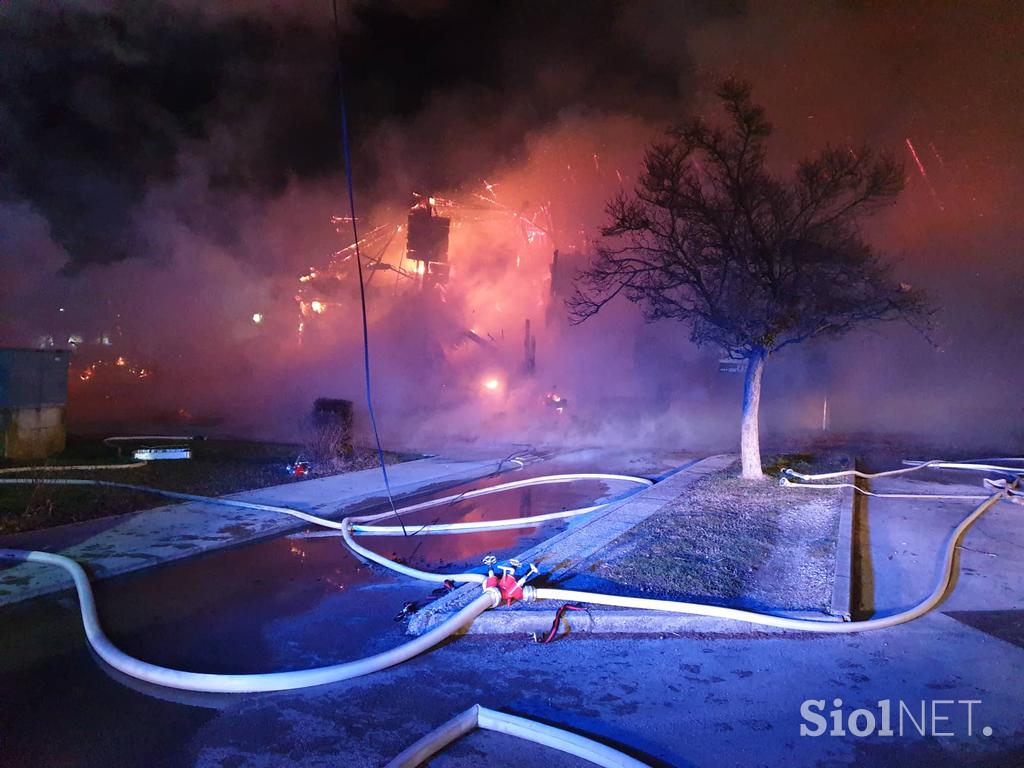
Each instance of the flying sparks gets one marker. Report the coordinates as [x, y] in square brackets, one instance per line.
[924, 174]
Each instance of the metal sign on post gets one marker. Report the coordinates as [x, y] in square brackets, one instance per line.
[728, 365]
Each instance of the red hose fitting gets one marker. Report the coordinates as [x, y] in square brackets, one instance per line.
[512, 590]
[509, 587]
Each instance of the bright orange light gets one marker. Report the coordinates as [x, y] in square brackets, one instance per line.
[492, 384]
[257, 317]
[317, 306]
[121, 361]
[421, 267]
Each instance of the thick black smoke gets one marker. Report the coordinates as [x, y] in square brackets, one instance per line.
[101, 99]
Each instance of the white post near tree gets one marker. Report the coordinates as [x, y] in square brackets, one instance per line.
[750, 262]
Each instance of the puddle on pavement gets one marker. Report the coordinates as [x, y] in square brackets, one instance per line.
[282, 603]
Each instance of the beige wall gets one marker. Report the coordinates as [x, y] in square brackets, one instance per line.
[32, 433]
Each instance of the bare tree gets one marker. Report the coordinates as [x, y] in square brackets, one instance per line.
[751, 262]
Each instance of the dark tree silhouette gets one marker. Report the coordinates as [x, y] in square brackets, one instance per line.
[751, 262]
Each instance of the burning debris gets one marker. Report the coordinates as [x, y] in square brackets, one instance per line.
[556, 402]
[116, 370]
[439, 266]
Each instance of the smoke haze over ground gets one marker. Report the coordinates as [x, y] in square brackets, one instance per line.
[170, 171]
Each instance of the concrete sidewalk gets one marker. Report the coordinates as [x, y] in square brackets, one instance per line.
[123, 543]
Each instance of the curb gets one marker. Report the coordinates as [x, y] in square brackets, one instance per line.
[536, 620]
[842, 582]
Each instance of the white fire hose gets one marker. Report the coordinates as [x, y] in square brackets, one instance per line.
[69, 468]
[948, 555]
[520, 727]
[787, 483]
[914, 466]
[785, 622]
[248, 683]
[489, 599]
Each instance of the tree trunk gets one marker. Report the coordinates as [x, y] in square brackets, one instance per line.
[750, 442]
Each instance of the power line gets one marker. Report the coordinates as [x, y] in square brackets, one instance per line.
[359, 267]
